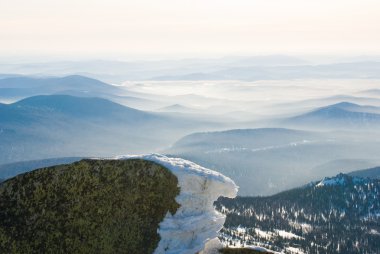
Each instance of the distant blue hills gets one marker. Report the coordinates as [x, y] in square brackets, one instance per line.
[23, 86]
[341, 115]
[71, 81]
[79, 107]
[48, 126]
[61, 125]
[373, 173]
[54, 107]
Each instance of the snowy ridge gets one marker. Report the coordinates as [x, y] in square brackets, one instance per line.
[340, 179]
[196, 221]
[331, 181]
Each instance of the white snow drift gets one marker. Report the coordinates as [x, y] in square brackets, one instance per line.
[196, 221]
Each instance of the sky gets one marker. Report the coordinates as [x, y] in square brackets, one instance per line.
[188, 28]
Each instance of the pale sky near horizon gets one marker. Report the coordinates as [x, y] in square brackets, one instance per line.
[189, 27]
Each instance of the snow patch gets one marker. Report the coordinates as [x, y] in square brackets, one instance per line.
[196, 221]
[288, 235]
[340, 179]
[261, 233]
[306, 228]
[294, 250]
[212, 247]
[331, 181]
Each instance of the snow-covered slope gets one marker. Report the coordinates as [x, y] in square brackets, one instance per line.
[196, 221]
[340, 179]
[345, 209]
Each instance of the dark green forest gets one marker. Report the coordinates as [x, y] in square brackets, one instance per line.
[91, 206]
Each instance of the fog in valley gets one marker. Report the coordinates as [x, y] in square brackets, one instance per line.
[270, 123]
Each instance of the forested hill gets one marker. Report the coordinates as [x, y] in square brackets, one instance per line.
[336, 215]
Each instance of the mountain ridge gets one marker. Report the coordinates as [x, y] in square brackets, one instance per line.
[27, 86]
[343, 115]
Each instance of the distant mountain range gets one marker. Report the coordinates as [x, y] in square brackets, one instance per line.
[80, 107]
[270, 67]
[60, 125]
[268, 160]
[119, 71]
[23, 86]
[346, 165]
[64, 125]
[17, 87]
[48, 126]
[252, 137]
[259, 160]
[15, 168]
[343, 115]
[58, 110]
[373, 173]
[339, 214]
[354, 70]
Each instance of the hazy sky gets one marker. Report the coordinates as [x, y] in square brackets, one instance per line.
[189, 27]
